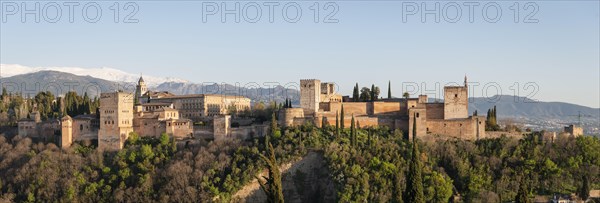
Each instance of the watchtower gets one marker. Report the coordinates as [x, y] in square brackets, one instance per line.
[310, 92]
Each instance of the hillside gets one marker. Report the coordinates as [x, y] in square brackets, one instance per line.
[511, 106]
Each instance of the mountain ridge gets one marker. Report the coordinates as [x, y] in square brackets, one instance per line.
[509, 106]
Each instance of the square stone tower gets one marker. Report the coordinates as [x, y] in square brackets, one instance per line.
[456, 102]
[116, 120]
[66, 138]
[310, 96]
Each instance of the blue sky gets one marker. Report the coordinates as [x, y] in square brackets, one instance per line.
[370, 44]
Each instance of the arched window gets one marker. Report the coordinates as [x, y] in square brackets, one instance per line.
[80, 127]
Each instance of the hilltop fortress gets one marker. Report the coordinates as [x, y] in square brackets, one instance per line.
[208, 116]
[320, 104]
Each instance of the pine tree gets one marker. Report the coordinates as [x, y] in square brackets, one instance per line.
[389, 89]
[272, 185]
[342, 125]
[355, 94]
[414, 180]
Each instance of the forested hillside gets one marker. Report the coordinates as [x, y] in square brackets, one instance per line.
[366, 165]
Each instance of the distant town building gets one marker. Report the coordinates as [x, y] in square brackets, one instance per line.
[202, 107]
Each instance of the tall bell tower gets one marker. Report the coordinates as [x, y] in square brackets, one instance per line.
[141, 88]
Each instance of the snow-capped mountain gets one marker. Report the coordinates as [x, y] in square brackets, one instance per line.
[111, 74]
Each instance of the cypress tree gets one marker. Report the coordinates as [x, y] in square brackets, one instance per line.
[414, 181]
[136, 100]
[273, 131]
[397, 190]
[337, 124]
[495, 118]
[584, 192]
[373, 96]
[389, 89]
[352, 132]
[272, 186]
[4, 92]
[355, 94]
[342, 125]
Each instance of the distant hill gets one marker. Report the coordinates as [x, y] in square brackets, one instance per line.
[511, 106]
[278, 93]
[59, 83]
[110, 74]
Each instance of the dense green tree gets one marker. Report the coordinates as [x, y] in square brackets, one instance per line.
[406, 95]
[274, 130]
[523, 194]
[439, 187]
[365, 94]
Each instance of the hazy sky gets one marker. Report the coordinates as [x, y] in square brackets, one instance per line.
[370, 43]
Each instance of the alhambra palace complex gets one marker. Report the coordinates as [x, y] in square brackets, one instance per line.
[152, 113]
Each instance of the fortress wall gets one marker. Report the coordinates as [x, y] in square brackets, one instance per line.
[180, 129]
[496, 134]
[325, 106]
[84, 129]
[458, 128]
[386, 108]
[356, 108]
[435, 110]
[362, 122]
